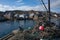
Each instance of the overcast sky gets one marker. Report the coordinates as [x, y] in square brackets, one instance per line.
[28, 5]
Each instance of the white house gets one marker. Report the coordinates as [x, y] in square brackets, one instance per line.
[55, 15]
[21, 16]
[31, 15]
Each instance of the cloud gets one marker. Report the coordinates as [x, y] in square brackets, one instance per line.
[22, 3]
[19, 1]
[30, 8]
[55, 6]
[55, 3]
[7, 7]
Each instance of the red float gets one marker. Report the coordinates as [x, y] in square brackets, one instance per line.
[41, 28]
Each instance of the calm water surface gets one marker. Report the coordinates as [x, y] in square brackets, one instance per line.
[9, 26]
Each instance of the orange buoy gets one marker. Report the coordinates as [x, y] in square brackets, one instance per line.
[41, 28]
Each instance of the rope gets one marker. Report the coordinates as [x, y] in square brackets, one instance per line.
[44, 4]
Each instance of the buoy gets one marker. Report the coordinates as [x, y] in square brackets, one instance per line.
[29, 27]
[41, 39]
[41, 28]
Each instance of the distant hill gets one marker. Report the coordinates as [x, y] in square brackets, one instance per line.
[24, 11]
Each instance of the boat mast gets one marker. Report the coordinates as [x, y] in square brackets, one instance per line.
[49, 11]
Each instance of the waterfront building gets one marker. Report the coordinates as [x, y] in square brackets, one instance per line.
[31, 15]
[9, 15]
[26, 15]
[21, 16]
[16, 15]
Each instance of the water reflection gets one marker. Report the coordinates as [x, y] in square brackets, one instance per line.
[56, 21]
[7, 27]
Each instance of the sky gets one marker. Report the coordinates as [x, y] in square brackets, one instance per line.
[29, 5]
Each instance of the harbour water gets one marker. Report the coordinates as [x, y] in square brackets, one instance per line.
[9, 26]
[56, 21]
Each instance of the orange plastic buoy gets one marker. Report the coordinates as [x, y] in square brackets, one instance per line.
[41, 28]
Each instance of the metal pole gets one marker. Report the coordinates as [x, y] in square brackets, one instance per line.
[49, 10]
